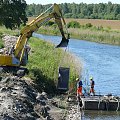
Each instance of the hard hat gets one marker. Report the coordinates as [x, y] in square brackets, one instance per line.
[77, 79]
[91, 78]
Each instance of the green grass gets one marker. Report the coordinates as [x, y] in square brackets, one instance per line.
[1, 42]
[3, 30]
[44, 61]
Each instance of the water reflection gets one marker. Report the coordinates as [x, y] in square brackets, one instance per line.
[101, 115]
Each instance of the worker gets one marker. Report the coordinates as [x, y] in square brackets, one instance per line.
[80, 103]
[79, 87]
[92, 83]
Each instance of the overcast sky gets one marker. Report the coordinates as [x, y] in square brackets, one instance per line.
[69, 1]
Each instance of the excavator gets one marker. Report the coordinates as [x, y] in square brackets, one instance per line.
[18, 55]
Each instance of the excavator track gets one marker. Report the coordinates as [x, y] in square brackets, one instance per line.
[16, 71]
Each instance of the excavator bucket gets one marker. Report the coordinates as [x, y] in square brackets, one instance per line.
[63, 43]
[63, 79]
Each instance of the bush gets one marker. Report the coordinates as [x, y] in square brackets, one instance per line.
[88, 25]
[68, 15]
[100, 27]
[73, 24]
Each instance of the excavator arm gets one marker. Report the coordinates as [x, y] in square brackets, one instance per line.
[19, 51]
[26, 32]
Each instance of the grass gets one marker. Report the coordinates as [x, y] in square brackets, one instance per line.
[1, 42]
[3, 30]
[44, 61]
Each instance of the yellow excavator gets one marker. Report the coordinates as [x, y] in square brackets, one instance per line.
[18, 55]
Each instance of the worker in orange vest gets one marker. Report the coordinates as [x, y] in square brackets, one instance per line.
[79, 87]
[92, 83]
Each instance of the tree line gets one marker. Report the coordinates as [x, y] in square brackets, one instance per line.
[88, 11]
[15, 12]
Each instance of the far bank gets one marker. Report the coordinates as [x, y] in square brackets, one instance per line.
[94, 30]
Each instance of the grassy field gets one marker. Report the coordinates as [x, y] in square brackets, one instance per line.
[113, 24]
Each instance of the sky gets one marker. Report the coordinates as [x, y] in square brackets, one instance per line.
[70, 1]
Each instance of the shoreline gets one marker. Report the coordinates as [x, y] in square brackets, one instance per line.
[98, 36]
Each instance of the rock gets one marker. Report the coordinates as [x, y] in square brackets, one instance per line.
[44, 93]
[9, 40]
[7, 117]
[69, 99]
[12, 101]
[44, 112]
[41, 99]
[5, 80]
[48, 118]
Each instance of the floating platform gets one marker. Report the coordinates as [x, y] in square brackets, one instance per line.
[99, 102]
[109, 103]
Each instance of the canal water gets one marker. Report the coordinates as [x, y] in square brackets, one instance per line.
[100, 61]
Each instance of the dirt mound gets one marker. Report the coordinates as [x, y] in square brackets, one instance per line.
[9, 40]
[19, 100]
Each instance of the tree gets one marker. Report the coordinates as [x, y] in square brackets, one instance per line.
[84, 9]
[73, 8]
[118, 16]
[116, 9]
[12, 13]
[95, 8]
[109, 7]
[65, 8]
[77, 9]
